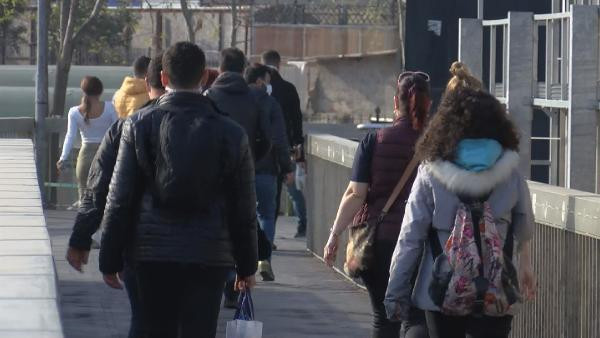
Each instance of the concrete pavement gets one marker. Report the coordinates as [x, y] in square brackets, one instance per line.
[306, 300]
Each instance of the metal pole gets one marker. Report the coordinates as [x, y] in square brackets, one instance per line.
[41, 93]
[480, 9]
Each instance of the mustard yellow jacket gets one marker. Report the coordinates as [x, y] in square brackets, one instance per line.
[131, 96]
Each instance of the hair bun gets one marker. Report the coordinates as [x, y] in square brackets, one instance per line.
[460, 70]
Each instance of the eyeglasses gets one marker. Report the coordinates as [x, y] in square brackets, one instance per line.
[421, 75]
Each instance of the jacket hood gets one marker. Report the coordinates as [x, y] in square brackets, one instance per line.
[133, 86]
[464, 182]
[230, 82]
[259, 93]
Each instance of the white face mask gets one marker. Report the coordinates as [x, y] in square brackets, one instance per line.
[269, 89]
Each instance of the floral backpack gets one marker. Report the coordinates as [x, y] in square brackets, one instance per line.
[473, 274]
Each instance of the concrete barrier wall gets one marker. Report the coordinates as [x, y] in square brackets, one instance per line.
[566, 246]
[28, 292]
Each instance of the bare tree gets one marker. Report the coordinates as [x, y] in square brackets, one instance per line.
[401, 32]
[189, 21]
[235, 23]
[68, 39]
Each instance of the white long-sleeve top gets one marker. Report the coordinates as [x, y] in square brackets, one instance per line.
[91, 132]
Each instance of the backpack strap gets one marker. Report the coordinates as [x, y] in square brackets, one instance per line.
[434, 243]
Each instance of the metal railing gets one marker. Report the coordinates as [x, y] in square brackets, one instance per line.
[498, 32]
[551, 49]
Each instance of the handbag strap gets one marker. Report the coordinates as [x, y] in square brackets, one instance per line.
[399, 186]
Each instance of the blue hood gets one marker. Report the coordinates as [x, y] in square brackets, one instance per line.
[477, 154]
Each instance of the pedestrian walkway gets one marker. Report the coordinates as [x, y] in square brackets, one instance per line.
[306, 300]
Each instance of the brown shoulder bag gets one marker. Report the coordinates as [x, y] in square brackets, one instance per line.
[360, 252]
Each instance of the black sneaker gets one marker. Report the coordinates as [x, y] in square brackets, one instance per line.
[230, 303]
[300, 234]
[266, 271]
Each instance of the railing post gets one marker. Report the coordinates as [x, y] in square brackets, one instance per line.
[519, 80]
[582, 138]
[470, 45]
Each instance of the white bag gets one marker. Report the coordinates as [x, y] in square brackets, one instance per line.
[244, 329]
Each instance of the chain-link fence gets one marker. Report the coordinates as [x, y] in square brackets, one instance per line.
[382, 13]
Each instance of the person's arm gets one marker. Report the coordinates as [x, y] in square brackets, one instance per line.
[409, 248]
[70, 136]
[296, 117]
[119, 206]
[523, 222]
[241, 207]
[354, 197]
[93, 202]
[280, 139]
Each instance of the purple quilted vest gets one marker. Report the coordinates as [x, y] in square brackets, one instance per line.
[392, 152]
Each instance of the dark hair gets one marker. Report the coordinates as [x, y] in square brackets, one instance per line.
[91, 86]
[153, 74]
[271, 58]
[232, 60]
[140, 66]
[466, 113]
[255, 72]
[184, 64]
[413, 92]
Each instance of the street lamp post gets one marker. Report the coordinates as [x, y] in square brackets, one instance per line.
[41, 94]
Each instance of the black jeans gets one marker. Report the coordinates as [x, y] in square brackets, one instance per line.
[130, 281]
[442, 326]
[376, 280]
[180, 300]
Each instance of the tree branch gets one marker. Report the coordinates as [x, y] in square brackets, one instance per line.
[95, 12]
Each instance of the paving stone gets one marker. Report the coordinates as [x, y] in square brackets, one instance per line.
[31, 334]
[20, 202]
[19, 233]
[26, 287]
[29, 315]
[22, 220]
[26, 265]
[25, 247]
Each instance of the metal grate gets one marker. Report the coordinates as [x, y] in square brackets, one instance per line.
[329, 13]
[568, 300]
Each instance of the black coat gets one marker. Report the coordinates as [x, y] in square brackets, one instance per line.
[286, 94]
[232, 96]
[278, 160]
[221, 232]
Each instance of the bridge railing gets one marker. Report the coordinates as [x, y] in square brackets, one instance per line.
[566, 245]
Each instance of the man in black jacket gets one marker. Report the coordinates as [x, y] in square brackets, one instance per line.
[276, 163]
[287, 96]
[182, 203]
[91, 208]
[232, 96]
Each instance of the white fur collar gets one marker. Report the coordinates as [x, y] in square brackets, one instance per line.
[461, 181]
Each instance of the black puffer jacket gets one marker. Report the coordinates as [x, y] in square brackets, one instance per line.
[91, 207]
[278, 160]
[232, 96]
[221, 231]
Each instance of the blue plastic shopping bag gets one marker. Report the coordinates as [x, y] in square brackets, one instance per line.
[243, 324]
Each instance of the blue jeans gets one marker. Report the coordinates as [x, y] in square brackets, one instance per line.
[266, 203]
[299, 205]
